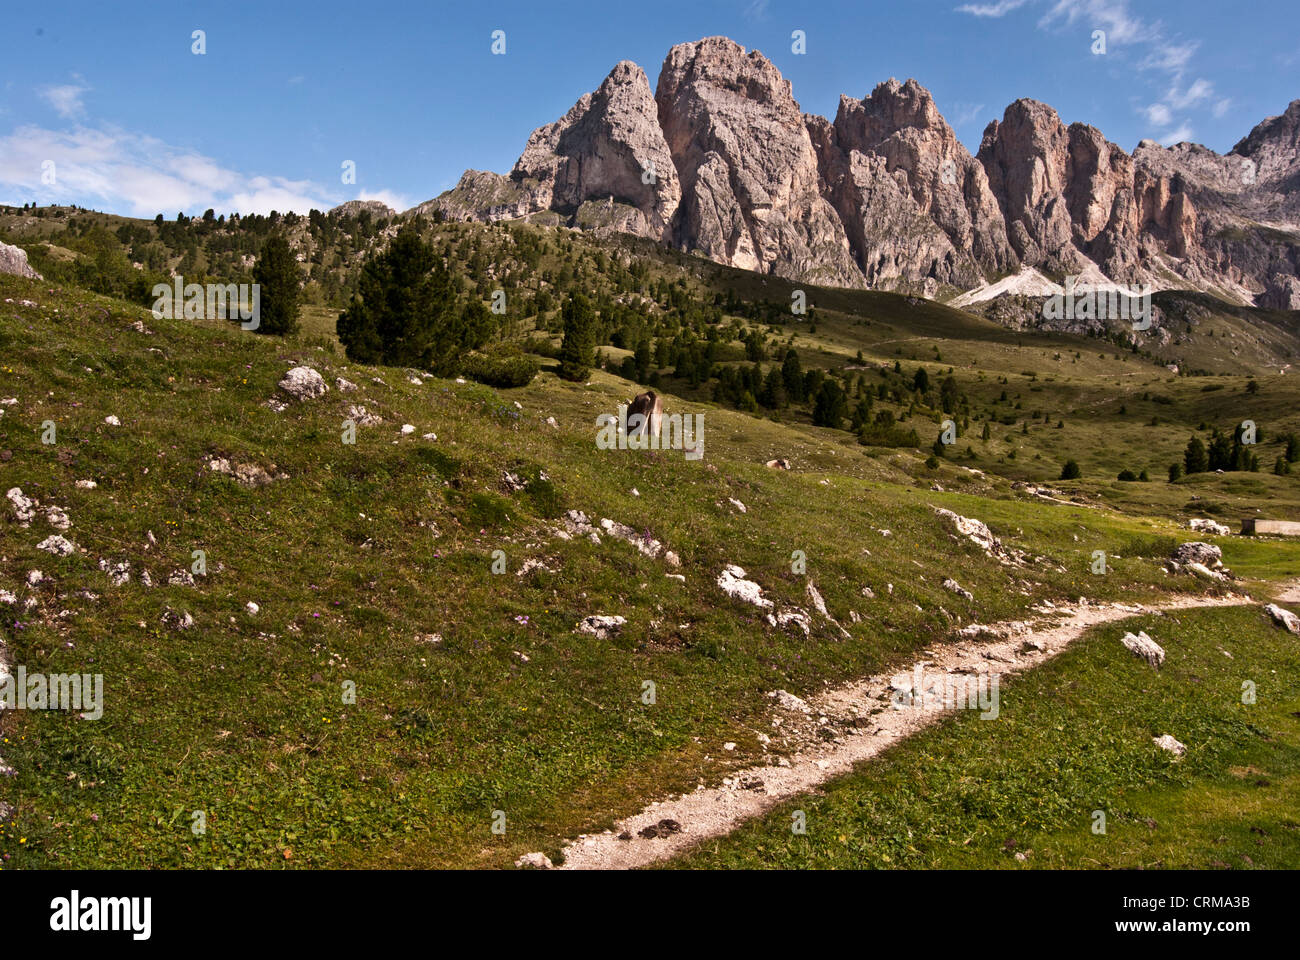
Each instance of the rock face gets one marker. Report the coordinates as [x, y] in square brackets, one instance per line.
[14, 260]
[891, 161]
[721, 160]
[750, 180]
[352, 208]
[607, 150]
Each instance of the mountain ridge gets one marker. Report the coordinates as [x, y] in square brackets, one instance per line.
[721, 160]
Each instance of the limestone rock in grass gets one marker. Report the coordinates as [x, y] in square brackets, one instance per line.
[119, 574]
[13, 260]
[1197, 552]
[601, 627]
[788, 701]
[304, 383]
[733, 583]
[362, 417]
[1201, 525]
[1202, 572]
[24, 507]
[35, 578]
[1283, 618]
[1166, 742]
[644, 543]
[779, 464]
[58, 545]
[112, 421]
[177, 621]
[979, 534]
[86, 484]
[180, 578]
[952, 586]
[57, 518]
[534, 861]
[344, 386]
[251, 608]
[512, 482]
[8, 596]
[578, 524]
[791, 616]
[1143, 646]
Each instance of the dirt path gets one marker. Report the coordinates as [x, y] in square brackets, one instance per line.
[1289, 592]
[846, 726]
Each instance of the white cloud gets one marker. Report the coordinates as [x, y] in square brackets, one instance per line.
[1182, 99]
[999, 9]
[964, 113]
[1177, 136]
[1222, 107]
[1113, 16]
[387, 197]
[130, 173]
[1171, 58]
[66, 99]
[1159, 114]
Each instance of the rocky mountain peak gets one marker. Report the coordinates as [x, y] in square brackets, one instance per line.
[720, 159]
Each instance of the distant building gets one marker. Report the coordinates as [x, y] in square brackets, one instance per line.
[1276, 528]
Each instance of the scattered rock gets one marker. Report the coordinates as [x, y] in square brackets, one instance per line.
[177, 621]
[1283, 618]
[1197, 552]
[979, 534]
[788, 701]
[512, 482]
[1167, 742]
[362, 417]
[86, 484]
[1144, 647]
[733, 583]
[251, 608]
[780, 464]
[1208, 526]
[119, 574]
[112, 421]
[304, 383]
[601, 627]
[952, 586]
[344, 386]
[534, 861]
[24, 508]
[58, 545]
[658, 831]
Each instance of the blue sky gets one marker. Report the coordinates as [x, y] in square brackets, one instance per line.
[136, 123]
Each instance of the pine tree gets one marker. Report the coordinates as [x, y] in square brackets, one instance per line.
[579, 338]
[276, 274]
[404, 312]
[1195, 459]
[830, 406]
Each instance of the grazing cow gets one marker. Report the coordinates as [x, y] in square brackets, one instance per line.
[648, 408]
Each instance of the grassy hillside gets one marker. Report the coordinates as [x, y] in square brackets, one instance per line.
[359, 555]
[1074, 737]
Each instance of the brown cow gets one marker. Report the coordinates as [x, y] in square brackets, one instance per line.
[648, 408]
